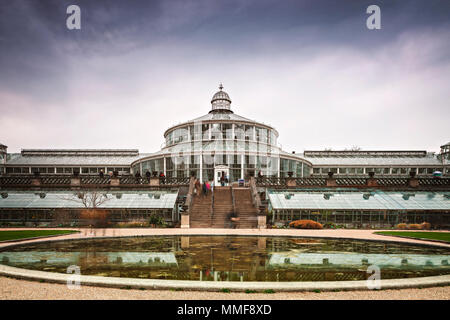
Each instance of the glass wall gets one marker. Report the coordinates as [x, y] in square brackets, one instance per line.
[234, 134]
[294, 166]
[379, 171]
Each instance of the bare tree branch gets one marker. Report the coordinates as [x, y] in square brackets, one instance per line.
[89, 200]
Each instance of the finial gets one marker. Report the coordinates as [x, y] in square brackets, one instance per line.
[220, 86]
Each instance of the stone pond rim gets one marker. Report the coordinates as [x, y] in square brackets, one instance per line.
[233, 286]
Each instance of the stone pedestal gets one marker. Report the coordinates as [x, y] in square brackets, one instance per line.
[154, 181]
[372, 182]
[185, 221]
[331, 182]
[114, 182]
[290, 182]
[262, 222]
[413, 182]
[75, 182]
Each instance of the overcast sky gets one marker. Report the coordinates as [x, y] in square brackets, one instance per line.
[311, 69]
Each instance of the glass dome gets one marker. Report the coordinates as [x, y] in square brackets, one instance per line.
[221, 100]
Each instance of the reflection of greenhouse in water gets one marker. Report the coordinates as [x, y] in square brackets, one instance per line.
[225, 258]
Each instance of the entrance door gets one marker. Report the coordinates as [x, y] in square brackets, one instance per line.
[219, 172]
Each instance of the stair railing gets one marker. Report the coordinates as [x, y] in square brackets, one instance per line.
[190, 195]
[212, 205]
[254, 192]
[233, 201]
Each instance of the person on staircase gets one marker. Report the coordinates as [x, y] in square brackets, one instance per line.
[197, 187]
[222, 179]
[204, 188]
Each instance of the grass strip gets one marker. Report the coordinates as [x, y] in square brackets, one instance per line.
[24, 234]
[425, 235]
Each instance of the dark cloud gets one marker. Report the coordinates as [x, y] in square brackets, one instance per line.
[132, 54]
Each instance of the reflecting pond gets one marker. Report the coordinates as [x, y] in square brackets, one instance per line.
[231, 258]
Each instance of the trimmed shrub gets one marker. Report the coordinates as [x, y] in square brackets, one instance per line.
[305, 224]
[426, 225]
[414, 226]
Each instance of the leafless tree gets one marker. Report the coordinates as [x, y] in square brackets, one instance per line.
[89, 199]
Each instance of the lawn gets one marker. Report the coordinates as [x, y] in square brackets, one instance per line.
[441, 236]
[22, 234]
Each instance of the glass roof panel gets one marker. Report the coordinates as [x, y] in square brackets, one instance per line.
[123, 200]
[378, 200]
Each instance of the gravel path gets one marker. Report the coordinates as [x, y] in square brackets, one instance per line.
[13, 289]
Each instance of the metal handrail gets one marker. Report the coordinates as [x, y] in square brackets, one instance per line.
[233, 201]
[254, 192]
[212, 205]
[189, 197]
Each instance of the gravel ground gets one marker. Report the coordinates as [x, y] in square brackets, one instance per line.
[14, 289]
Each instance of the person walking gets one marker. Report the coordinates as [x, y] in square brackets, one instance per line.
[162, 177]
[197, 187]
[204, 188]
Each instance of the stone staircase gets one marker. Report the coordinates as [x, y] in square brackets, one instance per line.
[209, 212]
[222, 208]
[245, 210]
[200, 213]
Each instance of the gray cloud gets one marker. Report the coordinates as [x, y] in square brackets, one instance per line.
[310, 69]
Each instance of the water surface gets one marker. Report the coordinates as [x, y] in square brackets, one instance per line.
[231, 258]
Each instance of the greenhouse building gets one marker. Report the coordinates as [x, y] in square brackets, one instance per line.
[251, 174]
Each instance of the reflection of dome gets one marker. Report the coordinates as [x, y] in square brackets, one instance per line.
[221, 100]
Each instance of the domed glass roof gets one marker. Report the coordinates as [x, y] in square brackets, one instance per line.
[221, 100]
